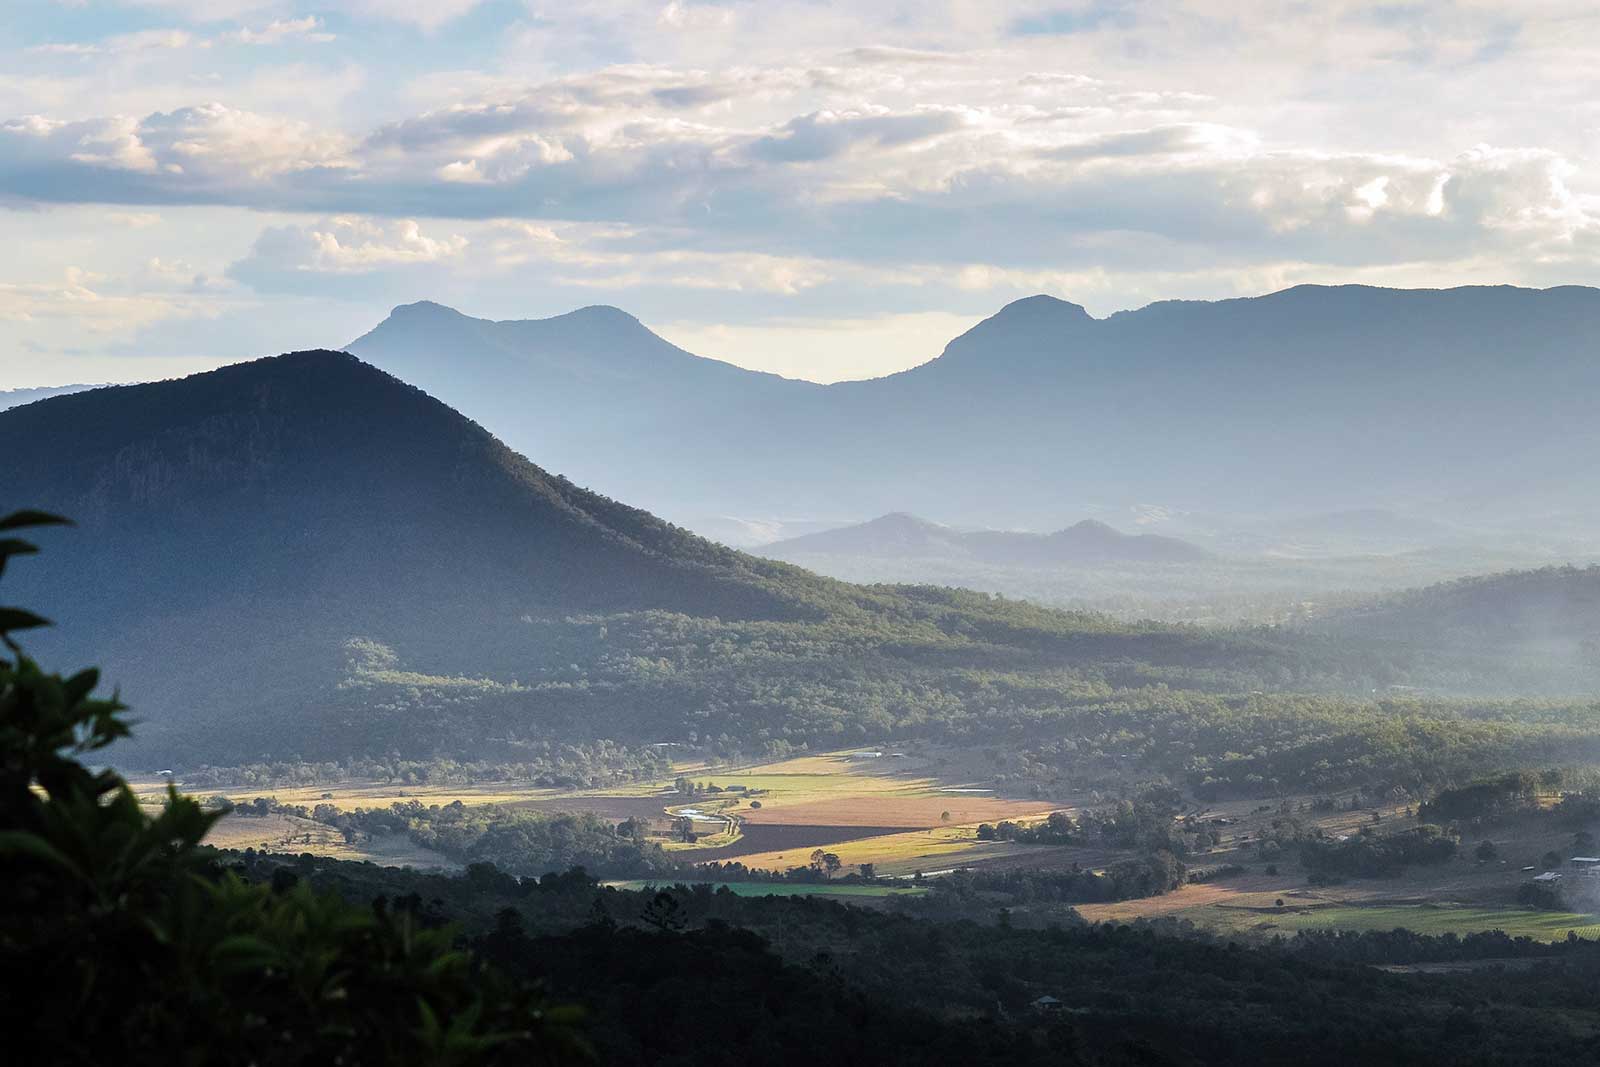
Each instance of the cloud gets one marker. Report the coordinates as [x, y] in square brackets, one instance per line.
[825, 134]
[1187, 138]
[284, 256]
[1083, 18]
[93, 304]
[1008, 183]
[277, 31]
[201, 154]
[430, 15]
[125, 44]
[308, 28]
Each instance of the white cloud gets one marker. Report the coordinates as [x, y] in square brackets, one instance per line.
[308, 28]
[428, 15]
[126, 43]
[348, 245]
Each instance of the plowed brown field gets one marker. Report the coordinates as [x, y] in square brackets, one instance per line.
[915, 813]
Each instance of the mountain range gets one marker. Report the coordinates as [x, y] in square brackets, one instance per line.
[899, 536]
[1344, 399]
[303, 555]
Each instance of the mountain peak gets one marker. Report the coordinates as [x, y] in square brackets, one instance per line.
[1027, 336]
[1041, 306]
[903, 519]
[421, 309]
[602, 313]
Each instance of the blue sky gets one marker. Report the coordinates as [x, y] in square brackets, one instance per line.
[822, 189]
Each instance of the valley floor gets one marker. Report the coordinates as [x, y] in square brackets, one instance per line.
[911, 812]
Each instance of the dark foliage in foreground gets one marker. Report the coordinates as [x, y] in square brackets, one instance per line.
[122, 941]
[694, 975]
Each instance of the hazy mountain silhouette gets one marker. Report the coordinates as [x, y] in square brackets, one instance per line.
[1312, 400]
[1554, 609]
[1519, 632]
[899, 535]
[592, 393]
[10, 398]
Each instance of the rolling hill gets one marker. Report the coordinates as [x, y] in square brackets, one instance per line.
[1347, 399]
[1546, 619]
[899, 536]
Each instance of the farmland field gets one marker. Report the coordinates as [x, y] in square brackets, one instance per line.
[1425, 919]
[904, 814]
[797, 889]
[287, 833]
[894, 810]
[756, 839]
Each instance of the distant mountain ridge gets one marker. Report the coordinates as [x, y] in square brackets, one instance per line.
[1552, 610]
[11, 398]
[899, 535]
[1464, 402]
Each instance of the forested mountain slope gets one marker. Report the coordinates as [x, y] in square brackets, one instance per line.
[342, 563]
[1547, 619]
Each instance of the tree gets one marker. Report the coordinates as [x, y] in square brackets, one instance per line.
[831, 862]
[1486, 851]
[139, 945]
[869, 871]
[663, 914]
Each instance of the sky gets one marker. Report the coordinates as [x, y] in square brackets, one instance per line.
[826, 190]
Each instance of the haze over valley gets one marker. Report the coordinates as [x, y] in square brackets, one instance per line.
[1048, 532]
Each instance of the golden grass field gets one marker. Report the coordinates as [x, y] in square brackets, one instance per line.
[291, 835]
[850, 805]
[937, 849]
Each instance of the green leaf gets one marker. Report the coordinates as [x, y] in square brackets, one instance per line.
[19, 619]
[244, 953]
[18, 519]
[14, 546]
[21, 843]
